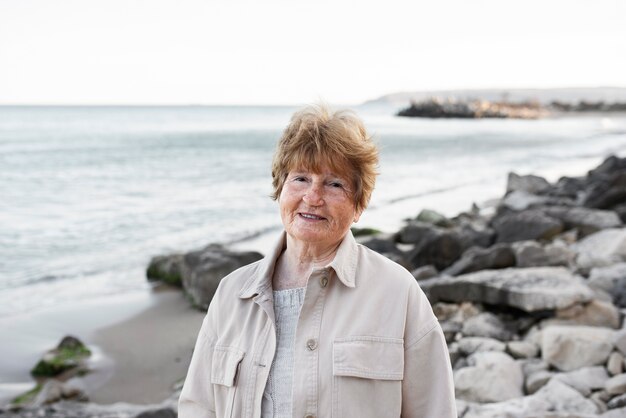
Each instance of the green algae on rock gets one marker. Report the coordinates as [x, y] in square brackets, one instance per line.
[69, 354]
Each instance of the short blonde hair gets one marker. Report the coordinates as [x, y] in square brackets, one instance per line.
[317, 136]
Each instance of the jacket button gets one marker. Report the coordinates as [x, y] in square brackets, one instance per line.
[309, 416]
[311, 345]
[324, 281]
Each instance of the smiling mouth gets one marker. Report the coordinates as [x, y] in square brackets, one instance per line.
[311, 217]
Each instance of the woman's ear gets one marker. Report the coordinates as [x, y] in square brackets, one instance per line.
[357, 216]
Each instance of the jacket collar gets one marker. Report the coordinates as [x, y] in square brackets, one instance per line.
[344, 265]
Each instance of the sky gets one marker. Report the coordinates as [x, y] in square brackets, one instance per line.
[292, 51]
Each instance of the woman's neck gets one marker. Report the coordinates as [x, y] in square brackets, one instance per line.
[297, 261]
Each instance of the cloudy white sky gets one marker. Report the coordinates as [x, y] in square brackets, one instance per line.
[292, 51]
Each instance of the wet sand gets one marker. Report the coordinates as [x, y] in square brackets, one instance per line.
[141, 343]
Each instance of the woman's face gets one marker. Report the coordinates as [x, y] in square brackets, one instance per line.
[317, 208]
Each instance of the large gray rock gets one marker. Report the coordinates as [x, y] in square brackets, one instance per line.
[596, 313]
[158, 413]
[167, 269]
[424, 272]
[606, 190]
[204, 269]
[519, 200]
[533, 254]
[471, 345]
[476, 258]
[529, 289]
[486, 325]
[619, 340]
[586, 379]
[601, 249]
[571, 347]
[529, 183]
[556, 399]
[537, 380]
[433, 217]
[615, 363]
[616, 385]
[491, 377]
[570, 187]
[522, 349]
[530, 224]
[437, 246]
[612, 281]
[586, 220]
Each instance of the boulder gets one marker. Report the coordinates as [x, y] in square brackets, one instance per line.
[529, 289]
[490, 377]
[615, 363]
[522, 349]
[533, 254]
[70, 354]
[619, 340]
[533, 365]
[486, 325]
[607, 191]
[434, 217]
[167, 269]
[611, 164]
[476, 258]
[537, 380]
[437, 246]
[571, 347]
[556, 399]
[596, 313]
[616, 385]
[620, 209]
[204, 269]
[601, 249]
[364, 232]
[614, 404]
[158, 413]
[586, 220]
[424, 272]
[570, 187]
[585, 380]
[519, 200]
[527, 225]
[471, 345]
[529, 183]
[612, 281]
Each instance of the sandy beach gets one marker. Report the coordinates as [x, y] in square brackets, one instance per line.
[150, 351]
[141, 344]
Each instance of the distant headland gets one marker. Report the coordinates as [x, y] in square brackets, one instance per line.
[506, 103]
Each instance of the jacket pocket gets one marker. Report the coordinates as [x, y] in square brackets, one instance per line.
[367, 376]
[225, 365]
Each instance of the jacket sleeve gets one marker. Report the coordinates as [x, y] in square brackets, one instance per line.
[196, 399]
[428, 384]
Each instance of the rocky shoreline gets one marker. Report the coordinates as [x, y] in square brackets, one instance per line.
[531, 298]
[436, 107]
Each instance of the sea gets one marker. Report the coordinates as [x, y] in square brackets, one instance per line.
[89, 194]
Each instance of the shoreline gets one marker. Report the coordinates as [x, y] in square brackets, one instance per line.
[108, 326]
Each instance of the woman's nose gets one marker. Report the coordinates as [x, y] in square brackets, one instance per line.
[314, 195]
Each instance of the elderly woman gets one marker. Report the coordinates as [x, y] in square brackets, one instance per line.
[322, 326]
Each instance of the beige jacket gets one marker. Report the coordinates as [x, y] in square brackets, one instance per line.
[367, 344]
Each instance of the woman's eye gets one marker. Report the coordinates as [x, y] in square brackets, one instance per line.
[336, 184]
[299, 178]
